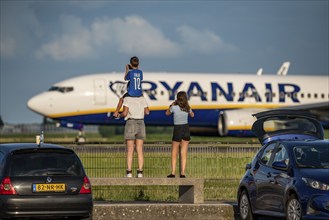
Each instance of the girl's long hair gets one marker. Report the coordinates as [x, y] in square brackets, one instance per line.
[182, 101]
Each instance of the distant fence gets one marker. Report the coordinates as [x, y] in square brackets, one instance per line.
[203, 161]
[221, 166]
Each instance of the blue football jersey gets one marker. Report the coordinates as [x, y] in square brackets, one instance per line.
[135, 78]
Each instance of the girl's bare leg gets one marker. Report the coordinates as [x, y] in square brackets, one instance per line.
[183, 156]
[174, 152]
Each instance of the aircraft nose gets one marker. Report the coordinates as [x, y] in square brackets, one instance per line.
[37, 104]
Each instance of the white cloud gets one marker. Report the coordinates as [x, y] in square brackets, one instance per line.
[205, 42]
[133, 35]
[130, 35]
[74, 43]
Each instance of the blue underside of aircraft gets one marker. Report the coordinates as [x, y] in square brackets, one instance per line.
[203, 118]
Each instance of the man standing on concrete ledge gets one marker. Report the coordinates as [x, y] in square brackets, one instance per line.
[134, 109]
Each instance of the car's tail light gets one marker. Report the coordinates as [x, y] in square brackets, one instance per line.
[86, 186]
[6, 188]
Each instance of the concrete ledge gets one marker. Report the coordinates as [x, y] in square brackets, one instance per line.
[190, 189]
[159, 211]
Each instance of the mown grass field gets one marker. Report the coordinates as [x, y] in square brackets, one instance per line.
[221, 167]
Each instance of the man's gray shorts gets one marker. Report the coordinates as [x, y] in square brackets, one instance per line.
[135, 129]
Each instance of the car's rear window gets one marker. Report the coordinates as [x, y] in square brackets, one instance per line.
[45, 162]
[291, 124]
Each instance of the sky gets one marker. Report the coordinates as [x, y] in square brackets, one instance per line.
[44, 42]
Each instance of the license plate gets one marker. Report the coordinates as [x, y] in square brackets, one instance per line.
[49, 187]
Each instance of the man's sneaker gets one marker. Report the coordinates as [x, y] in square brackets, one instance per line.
[129, 173]
[139, 173]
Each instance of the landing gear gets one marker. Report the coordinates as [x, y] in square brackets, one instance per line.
[80, 138]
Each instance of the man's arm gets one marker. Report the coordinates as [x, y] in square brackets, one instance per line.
[146, 111]
[125, 112]
[126, 73]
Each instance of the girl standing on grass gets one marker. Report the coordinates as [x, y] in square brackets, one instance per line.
[181, 135]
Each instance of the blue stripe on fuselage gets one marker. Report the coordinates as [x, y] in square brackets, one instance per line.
[203, 118]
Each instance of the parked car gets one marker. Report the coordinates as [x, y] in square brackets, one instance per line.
[43, 180]
[289, 176]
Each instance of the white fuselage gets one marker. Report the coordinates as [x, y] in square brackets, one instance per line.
[78, 99]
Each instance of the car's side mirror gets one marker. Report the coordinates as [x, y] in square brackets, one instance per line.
[280, 165]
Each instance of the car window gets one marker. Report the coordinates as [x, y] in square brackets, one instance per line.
[267, 153]
[281, 155]
[291, 124]
[42, 163]
[312, 156]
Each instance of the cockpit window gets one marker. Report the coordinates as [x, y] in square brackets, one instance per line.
[61, 89]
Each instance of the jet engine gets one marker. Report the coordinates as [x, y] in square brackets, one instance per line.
[236, 122]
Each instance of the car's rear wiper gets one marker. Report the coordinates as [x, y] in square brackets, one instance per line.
[58, 173]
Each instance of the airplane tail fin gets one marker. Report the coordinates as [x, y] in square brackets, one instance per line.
[283, 71]
[260, 72]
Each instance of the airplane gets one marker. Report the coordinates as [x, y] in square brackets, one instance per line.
[223, 103]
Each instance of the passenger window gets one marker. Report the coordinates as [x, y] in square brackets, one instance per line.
[281, 155]
[294, 95]
[267, 153]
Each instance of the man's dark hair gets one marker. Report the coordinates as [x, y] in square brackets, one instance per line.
[134, 61]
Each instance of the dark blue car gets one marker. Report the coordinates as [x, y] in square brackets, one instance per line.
[289, 176]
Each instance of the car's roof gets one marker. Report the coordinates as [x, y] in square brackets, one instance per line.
[291, 143]
[10, 147]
